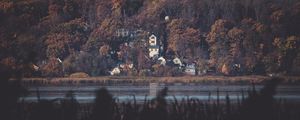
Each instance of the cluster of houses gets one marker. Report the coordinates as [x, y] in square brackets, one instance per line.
[154, 53]
[154, 49]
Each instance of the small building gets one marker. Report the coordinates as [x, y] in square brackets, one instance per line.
[122, 32]
[115, 71]
[153, 47]
[153, 51]
[162, 61]
[177, 61]
[202, 72]
[190, 69]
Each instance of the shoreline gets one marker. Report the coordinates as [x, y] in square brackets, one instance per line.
[257, 79]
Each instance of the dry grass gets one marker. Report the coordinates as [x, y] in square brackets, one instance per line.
[183, 79]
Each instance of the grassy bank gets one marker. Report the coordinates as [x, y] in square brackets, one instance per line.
[183, 79]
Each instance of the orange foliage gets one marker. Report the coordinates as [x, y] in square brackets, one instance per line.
[52, 68]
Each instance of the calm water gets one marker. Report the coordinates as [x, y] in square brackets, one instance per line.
[127, 92]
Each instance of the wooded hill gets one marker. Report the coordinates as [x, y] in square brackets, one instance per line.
[262, 36]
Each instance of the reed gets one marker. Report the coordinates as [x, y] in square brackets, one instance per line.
[252, 105]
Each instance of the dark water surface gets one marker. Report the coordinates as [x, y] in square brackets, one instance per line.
[127, 92]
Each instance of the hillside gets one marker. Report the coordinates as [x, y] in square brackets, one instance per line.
[55, 38]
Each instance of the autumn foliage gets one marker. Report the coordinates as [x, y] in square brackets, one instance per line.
[62, 37]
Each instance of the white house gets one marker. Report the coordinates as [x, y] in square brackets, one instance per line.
[177, 61]
[115, 71]
[153, 46]
[162, 60]
[190, 69]
[153, 51]
[152, 40]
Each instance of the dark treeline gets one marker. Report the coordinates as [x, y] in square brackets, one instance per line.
[259, 36]
[258, 105]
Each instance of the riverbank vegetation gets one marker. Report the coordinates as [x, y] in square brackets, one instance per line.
[55, 38]
[115, 80]
[137, 80]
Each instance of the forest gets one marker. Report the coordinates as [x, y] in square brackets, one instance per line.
[55, 38]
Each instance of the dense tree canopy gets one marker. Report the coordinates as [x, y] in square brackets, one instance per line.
[67, 36]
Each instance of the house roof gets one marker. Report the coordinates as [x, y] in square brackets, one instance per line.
[152, 36]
